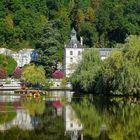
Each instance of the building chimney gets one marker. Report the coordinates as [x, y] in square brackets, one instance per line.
[81, 41]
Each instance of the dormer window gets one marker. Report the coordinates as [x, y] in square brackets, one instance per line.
[75, 45]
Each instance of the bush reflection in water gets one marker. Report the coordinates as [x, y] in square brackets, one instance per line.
[103, 118]
[49, 127]
[109, 118]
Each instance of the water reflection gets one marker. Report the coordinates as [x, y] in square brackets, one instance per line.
[103, 118]
[119, 115]
[23, 120]
[48, 125]
[18, 112]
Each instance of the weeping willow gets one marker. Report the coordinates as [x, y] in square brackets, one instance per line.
[119, 74]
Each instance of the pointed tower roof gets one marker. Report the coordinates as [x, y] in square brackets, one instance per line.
[73, 31]
[73, 40]
[73, 35]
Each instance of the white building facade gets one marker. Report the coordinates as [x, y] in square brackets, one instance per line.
[73, 125]
[73, 53]
[23, 57]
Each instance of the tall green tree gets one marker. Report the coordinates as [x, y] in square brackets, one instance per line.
[89, 34]
[48, 46]
[63, 24]
[115, 20]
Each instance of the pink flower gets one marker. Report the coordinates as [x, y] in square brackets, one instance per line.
[58, 74]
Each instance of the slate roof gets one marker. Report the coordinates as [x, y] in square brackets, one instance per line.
[73, 40]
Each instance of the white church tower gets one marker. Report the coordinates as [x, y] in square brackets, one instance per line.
[72, 53]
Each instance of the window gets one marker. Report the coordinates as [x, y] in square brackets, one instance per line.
[71, 125]
[71, 52]
[71, 59]
[79, 52]
[79, 125]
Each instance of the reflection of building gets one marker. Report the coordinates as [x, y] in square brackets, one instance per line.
[73, 126]
[71, 121]
[24, 56]
[23, 120]
[73, 53]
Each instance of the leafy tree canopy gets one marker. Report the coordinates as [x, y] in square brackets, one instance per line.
[117, 74]
[87, 71]
[32, 24]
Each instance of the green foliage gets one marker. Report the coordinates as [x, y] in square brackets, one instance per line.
[45, 25]
[117, 74]
[33, 74]
[47, 47]
[22, 21]
[87, 71]
[116, 19]
[89, 34]
[64, 83]
[121, 69]
[8, 63]
[49, 83]
[133, 49]
[112, 68]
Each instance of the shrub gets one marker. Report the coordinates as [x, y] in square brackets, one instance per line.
[17, 72]
[3, 73]
[34, 75]
[58, 74]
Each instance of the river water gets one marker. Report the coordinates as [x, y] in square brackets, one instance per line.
[102, 118]
[110, 118]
